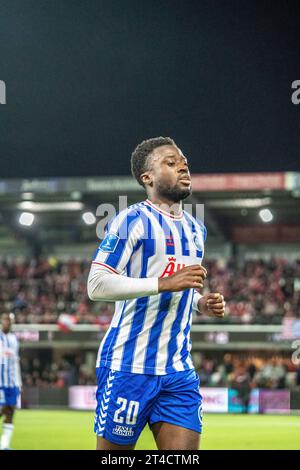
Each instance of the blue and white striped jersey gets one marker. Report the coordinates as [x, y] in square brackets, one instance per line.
[150, 335]
[9, 360]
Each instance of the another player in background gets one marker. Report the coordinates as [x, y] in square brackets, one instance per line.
[10, 378]
[150, 263]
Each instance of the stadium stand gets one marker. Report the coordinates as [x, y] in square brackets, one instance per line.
[256, 291]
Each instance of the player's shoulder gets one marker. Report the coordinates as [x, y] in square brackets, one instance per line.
[13, 336]
[196, 221]
[132, 211]
[137, 208]
[17, 343]
[128, 216]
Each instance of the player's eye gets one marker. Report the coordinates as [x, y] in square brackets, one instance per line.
[171, 163]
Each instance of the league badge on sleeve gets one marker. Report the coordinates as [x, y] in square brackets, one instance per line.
[109, 243]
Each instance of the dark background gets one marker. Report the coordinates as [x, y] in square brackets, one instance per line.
[88, 80]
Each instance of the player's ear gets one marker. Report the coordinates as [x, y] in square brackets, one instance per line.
[147, 179]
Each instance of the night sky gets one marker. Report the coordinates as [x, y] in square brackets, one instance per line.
[87, 80]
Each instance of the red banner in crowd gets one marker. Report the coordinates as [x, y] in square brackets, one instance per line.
[238, 181]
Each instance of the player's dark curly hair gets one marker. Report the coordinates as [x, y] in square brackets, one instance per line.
[139, 163]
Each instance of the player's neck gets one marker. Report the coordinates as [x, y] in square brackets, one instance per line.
[173, 208]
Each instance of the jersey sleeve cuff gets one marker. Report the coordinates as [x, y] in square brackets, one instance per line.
[196, 299]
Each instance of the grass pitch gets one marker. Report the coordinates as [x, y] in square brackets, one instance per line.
[63, 430]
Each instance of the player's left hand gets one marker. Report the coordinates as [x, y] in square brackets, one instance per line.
[212, 304]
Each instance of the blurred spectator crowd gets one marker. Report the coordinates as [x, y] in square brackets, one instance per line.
[38, 291]
[64, 372]
[256, 291]
[254, 371]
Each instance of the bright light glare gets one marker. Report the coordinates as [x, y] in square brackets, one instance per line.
[26, 218]
[89, 218]
[266, 215]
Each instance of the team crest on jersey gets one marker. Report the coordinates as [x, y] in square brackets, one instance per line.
[109, 243]
[197, 242]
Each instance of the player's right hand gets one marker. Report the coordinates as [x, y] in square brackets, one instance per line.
[190, 277]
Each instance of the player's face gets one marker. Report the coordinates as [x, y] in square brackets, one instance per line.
[170, 173]
[5, 323]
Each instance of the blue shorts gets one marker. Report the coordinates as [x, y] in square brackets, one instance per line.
[9, 396]
[126, 402]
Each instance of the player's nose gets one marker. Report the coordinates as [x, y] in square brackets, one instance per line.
[183, 171]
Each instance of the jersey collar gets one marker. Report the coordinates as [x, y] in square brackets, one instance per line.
[161, 211]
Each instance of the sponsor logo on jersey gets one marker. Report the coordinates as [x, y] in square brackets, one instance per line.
[170, 240]
[172, 267]
[125, 431]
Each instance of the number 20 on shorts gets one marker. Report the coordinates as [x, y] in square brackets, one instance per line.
[131, 411]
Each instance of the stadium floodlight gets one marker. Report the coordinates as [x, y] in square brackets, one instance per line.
[266, 215]
[51, 206]
[89, 218]
[27, 196]
[240, 203]
[26, 218]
